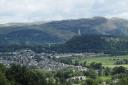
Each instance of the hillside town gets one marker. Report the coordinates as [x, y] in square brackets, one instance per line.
[29, 58]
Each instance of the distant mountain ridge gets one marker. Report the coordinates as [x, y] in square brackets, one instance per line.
[61, 31]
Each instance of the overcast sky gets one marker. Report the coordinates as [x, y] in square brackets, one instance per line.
[45, 10]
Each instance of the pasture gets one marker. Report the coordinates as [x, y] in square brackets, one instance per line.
[107, 61]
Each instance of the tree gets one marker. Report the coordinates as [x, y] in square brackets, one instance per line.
[77, 62]
[91, 73]
[36, 78]
[118, 70]
[123, 81]
[96, 66]
[17, 73]
[2, 68]
[107, 71]
[90, 82]
[84, 64]
[3, 79]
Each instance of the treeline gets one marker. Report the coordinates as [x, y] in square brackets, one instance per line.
[20, 75]
[115, 45]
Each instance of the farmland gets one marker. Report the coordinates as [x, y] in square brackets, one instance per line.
[108, 61]
[105, 60]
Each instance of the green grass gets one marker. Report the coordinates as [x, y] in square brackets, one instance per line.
[107, 61]
[112, 66]
[104, 78]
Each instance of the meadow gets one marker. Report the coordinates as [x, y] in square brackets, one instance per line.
[107, 61]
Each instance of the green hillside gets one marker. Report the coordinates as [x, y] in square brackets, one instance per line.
[61, 31]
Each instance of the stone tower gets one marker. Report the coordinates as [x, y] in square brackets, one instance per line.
[79, 32]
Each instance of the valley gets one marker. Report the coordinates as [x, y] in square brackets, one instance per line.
[90, 51]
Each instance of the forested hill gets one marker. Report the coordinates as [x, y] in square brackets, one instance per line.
[98, 43]
[60, 31]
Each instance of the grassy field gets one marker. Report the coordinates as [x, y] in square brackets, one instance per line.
[107, 61]
[104, 78]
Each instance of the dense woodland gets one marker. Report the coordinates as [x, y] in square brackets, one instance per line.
[99, 44]
[108, 44]
[21, 75]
